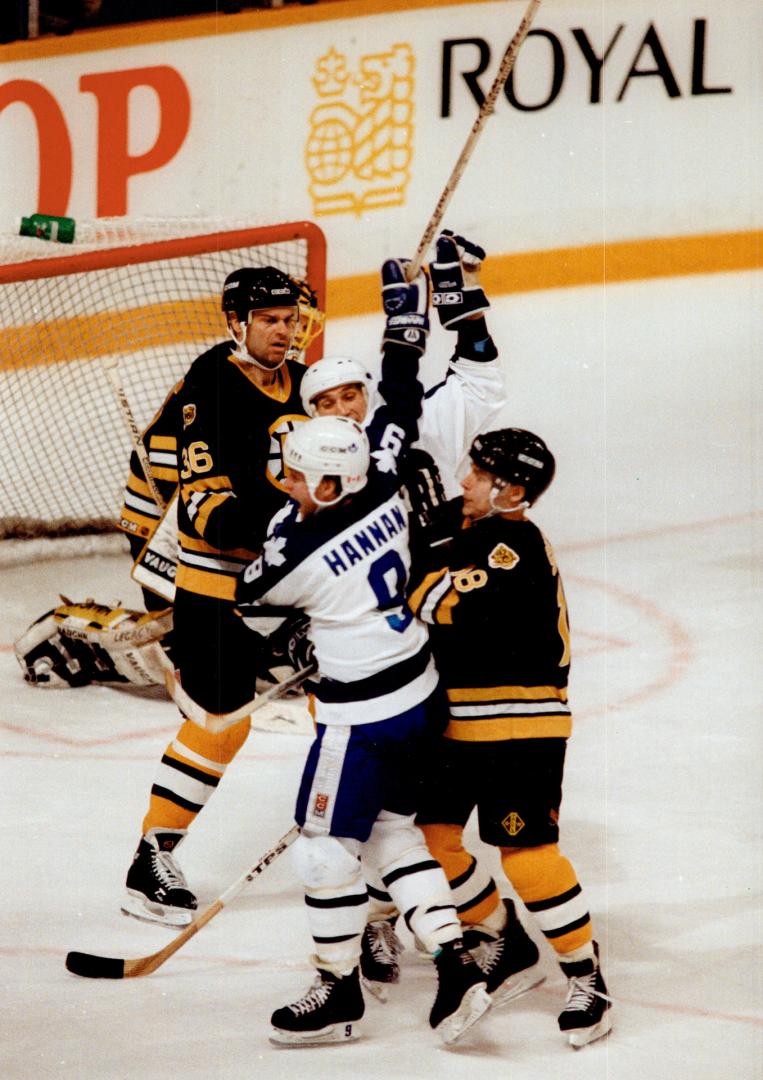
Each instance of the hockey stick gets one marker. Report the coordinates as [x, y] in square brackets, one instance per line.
[106, 967]
[216, 722]
[110, 365]
[507, 63]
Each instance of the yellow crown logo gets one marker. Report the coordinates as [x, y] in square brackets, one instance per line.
[359, 148]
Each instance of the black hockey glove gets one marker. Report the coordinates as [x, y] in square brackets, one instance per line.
[431, 540]
[457, 293]
[299, 648]
[290, 644]
[405, 304]
[423, 485]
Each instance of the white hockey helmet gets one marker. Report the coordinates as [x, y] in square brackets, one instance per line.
[330, 372]
[329, 446]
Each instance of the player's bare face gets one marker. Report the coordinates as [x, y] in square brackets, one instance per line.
[269, 334]
[481, 497]
[346, 400]
[477, 485]
[296, 488]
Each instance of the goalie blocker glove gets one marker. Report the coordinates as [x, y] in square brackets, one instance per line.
[456, 291]
[406, 304]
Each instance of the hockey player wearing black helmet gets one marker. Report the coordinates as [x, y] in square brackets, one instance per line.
[494, 600]
[222, 430]
[214, 449]
[260, 305]
[502, 462]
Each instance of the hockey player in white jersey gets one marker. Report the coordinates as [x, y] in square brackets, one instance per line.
[471, 394]
[465, 402]
[339, 551]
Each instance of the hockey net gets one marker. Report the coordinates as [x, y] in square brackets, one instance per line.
[146, 293]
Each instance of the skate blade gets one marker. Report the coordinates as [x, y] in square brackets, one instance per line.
[173, 919]
[328, 1036]
[516, 985]
[378, 990]
[585, 1036]
[475, 1003]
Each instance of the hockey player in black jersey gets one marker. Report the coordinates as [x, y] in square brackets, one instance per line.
[228, 418]
[494, 600]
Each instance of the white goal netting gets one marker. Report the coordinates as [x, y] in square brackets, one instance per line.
[144, 292]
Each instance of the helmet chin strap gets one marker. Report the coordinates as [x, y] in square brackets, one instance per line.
[241, 352]
[495, 491]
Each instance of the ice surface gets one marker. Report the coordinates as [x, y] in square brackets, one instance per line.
[650, 396]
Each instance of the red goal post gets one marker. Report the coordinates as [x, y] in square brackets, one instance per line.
[144, 292]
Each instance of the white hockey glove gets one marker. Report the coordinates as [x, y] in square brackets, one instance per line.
[456, 290]
[406, 304]
[79, 644]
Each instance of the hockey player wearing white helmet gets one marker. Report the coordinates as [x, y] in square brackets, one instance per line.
[340, 552]
[337, 386]
[465, 401]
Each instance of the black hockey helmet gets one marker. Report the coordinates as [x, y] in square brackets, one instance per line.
[257, 287]
[517, 456]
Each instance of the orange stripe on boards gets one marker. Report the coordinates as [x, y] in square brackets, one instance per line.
[160, 325]
[85, 337]
[595, 264]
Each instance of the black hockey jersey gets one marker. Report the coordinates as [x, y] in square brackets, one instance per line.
[218, 434]
[230, 466]
[500, 634]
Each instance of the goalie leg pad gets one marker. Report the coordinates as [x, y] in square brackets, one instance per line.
[77, 644]
[48, 659]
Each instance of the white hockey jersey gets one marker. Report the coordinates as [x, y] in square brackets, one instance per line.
[347, 568]
[467, 401]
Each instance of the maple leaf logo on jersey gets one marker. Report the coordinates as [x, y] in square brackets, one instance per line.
[502, 557]
[385, 459]
[271, 549]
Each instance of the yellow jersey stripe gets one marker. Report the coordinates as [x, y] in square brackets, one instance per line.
[194, 543]
[417, 598]
[163, 442]
[499, 728]
[508, 693]
[219, 586]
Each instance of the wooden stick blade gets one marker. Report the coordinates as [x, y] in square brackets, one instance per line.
[88, 966]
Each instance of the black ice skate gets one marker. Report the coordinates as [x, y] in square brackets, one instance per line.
[156, 888]
[328, 1013]
[379, 957]
[586, 1016]
[461, 994]
[509, 961]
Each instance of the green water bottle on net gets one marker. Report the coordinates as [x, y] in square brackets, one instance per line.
[48, 227]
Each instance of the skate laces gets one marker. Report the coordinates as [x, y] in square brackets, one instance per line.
[316, 996]
[488, 953]
[167, 871]
[581, 992]
[384, 943]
